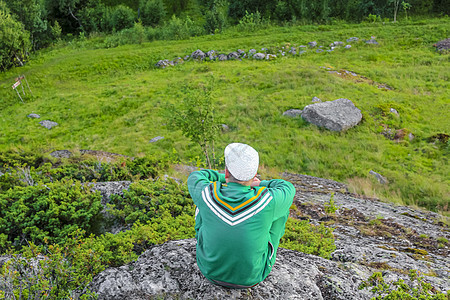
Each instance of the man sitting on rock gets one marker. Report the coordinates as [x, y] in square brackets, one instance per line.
[239, 219]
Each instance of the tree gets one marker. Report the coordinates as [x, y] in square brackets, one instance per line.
[406, 6]
[396, 4]
[152, 12]
[14, 39]
[195, 118]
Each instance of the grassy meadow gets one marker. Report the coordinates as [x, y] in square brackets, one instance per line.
[114, 99]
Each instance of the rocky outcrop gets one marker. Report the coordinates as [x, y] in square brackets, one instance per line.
[170, 271]
[337, 115]
[443, 46]
[292, 113]
[34, 116]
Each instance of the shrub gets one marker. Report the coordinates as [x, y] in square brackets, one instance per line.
[14, 39]
[122, 17]
[417, 289]
[307, 238]
[47, 212]
[250, 22]
[216, 18]
[152, 12]
[180, 29]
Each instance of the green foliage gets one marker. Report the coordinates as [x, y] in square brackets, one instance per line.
[416, 289]
[122, 17]
[216, 18]
[330, 207]
[47, 212]
[250, 22]
[180, 29]
[195, 117]
[14, 39]
[146, 200]
[152, 12]
[307, 238]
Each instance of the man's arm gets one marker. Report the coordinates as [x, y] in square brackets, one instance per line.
[198, 180]
[283, 193]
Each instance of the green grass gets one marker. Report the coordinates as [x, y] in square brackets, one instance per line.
[113, 100]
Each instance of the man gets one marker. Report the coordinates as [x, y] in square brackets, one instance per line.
[239, 220]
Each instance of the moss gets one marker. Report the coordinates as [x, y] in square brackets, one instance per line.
[416, 251]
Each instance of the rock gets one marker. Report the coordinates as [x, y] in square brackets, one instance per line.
[155, 139]
[241, 52]
[222, 57]
[170, 271]
[319, 50]
[337, 44]
[381, 179]
[301, 52]
[109, 188]
[302, 46]
[164, 63]
[48, 124]
[292, 113]
[394, 111]
[316, 100]
[259, 56]
[186, 57]
[34, 116]
[211, 54]
[178, 61]
[251, 51]
[271, 56]
[443, 46]
[225, 127]
[198, 54]
[61, 154]
[411, 136]
[348, 46]
[312, 44]
[352, 39]
[372, 42]
[337, 115]
[233, 55]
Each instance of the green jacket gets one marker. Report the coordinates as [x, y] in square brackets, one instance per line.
[238, 228]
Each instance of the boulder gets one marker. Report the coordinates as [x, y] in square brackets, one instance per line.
[241, 53]
[443, 46]
[259, 56]
[352, 39]
[198, 54]
[211, 54]
[312, 44]
[337, 115]
[164, 63]
[170, 271]
[381, 179]
[292, 113]
[48, 124]
[225, 127]
[233, 55]
[222, 57]
[348, 46]
[34, 116]
[251, 51]
[372, 42]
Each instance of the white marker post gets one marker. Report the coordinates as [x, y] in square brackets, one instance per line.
[14, 86]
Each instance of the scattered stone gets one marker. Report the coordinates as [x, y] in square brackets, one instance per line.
[372, 41]
[222, 57]
[170, 271]
[48, 124]
[319, 50]
[225, 127]
[61, 154]
[381, 179]
[443, 46]
[292, 113]
[252, 51]
[241, 53]
[352, 39]
[211, 54]
[348, 46]
[34, 116]
[263, 49]
[316, 100]
[178, 61]
[302, 46]
[233, 55]
[155, 139]
[394, 111]
[312, 44]
[337, 115]
[186, 57]
[301, 52]
[270, 56]
[337, 44]
[259, 56]
[164, 63]
[198, 54]
[411, 136]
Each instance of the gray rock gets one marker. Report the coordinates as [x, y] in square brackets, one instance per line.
[222, 57]
[211, 54]
[372, 42]
[259, 56]
[316, 100]
[302, 46]
[319, 50]
[198, 54]
[252, 51]
[348, 46]
[352, 39]
[338, 43]
[109, 188]
[394, 111]
[170, 271]
[312, 44]
[155, 139]
[61, 154]
[48, 124]
[225, 127]
[301, 52]
[178, 61]
[381, 179]
[292, 113]
[186, 57]
[241, 52]
[233, 55]
[164, 63]
[443, 46]
[34, 116]
[411, 136]
[337, 115]
[270, 56]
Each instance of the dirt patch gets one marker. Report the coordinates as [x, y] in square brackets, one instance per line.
[349, 75]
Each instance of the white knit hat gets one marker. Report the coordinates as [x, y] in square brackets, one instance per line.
[242, 161]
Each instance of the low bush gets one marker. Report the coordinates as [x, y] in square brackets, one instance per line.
[152, 12]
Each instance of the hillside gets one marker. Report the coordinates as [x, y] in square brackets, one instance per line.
[115, 100]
